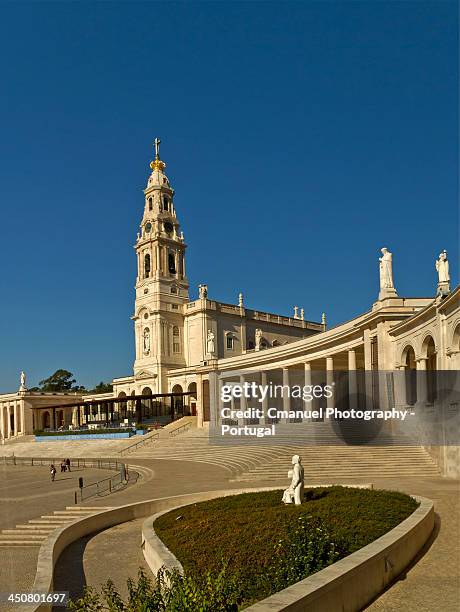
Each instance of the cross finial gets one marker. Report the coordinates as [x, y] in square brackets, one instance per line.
[157, 142]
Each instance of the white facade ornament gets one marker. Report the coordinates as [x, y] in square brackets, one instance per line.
[296, 312]
[22, 379]
[442, 268]
[386, 274]
[210, 345]
[323, 319]
[258, 339]
[146, 341]
[240, 300]
[302, 314]
[294, 492]
[203, 291]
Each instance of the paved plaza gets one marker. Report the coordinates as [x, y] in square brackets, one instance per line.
[433, 578]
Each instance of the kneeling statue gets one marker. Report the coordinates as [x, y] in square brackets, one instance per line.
[294, 492]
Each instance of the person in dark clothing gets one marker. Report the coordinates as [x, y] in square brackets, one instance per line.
[52, 472]
[67, 462]
[63, 466]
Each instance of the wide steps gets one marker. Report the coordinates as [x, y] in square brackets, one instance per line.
[36, 531]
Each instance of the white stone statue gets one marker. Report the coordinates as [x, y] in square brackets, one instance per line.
[442, 267]
[240, 300]
[22, 386]
[258, 339]
[302, 314]
[296, 312]
[210, 346]
[202, 292]
[146, 341]
[386, 269]
[294, 492]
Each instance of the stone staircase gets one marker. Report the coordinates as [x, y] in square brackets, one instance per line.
[249, 461]
[36, 530]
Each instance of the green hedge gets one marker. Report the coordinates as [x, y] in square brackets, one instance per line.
[239, 549]
[257, 533]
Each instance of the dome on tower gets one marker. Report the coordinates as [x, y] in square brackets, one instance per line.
[158, 178]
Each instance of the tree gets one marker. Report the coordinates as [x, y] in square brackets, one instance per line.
[102, 387]
[61, 381]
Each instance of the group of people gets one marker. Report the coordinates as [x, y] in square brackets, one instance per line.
[65, 467]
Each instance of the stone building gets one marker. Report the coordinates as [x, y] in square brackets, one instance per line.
[194, 346]
[171, 331]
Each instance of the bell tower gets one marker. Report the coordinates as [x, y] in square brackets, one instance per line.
[161, 284]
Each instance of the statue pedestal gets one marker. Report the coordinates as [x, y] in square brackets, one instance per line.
[443, 288]
[388, 292]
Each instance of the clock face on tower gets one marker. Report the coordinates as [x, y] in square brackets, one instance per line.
[168, 227]
[148, 228]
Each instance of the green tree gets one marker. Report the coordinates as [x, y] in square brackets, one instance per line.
[60, 381]
[102, 387]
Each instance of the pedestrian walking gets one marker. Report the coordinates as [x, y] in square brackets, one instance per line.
[67, 462]
[63, 466]
[52, 472]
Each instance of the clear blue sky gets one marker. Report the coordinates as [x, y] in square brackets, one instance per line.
[300, 138]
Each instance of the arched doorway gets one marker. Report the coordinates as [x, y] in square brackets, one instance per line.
[192, 398]
[177, 403]
[410, 375]
[146, 405]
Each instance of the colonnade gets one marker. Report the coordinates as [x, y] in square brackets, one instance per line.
[11, 419]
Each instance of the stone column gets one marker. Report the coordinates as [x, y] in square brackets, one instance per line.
[264, 404]
[286, 393]
[243, 400]
[307, 369]
[352, 380]
[199, 400]
[421, 380]
[214, 399]
[8, 422]
[2, 421]
[15, 419]
[330, 401]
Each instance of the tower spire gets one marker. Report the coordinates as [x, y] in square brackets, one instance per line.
[157, 164]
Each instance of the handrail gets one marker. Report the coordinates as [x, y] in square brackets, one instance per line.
[106, 486]
[145, 440]
[175, 432]
[106, 464]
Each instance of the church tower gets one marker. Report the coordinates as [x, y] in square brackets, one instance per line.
[161, 284]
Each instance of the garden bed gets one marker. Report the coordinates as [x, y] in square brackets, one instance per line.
[267, 546]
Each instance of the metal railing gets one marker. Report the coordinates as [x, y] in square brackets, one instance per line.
[106, 486]
[146, 439]
[75, 462]
[184, 427]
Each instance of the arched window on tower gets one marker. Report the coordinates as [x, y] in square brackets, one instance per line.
[147, 266]
[150, 203]
[176, 339]
[171, 263]
[165, 203]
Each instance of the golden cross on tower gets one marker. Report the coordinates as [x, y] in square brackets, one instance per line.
[157, 142]
[157, 164]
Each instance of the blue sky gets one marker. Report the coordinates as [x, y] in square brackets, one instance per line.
[300, 138]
